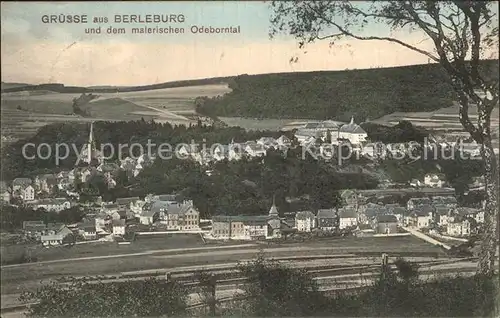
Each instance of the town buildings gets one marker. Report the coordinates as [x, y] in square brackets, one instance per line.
[434, 180]
[247, 227]
[347, 218]
[305, 221]
[387, 224]
[462, 228]
[118, 227]
[353, 132]
[328, 219]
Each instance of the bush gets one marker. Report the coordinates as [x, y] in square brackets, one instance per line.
[276, 290]
[151, 297]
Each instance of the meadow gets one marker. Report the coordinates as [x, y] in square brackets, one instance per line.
[26, 111]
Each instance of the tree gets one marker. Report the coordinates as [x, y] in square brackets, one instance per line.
[461, 32]
[276, 290]
[86, 298]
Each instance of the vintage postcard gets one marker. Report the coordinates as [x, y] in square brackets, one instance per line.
[249, 158]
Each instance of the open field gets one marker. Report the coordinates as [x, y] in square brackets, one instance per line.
[29, 275]
[443, 119]
[24, 112]
[260, 124]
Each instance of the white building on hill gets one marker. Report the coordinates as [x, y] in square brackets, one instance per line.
[353, 132]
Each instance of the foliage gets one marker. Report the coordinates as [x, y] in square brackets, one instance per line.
[334, 94]
[80, 298]
[12, 217]
[463, 33]
[458, 171]
[437, 297]
[15, 165]
[404, 131]
[276, 290]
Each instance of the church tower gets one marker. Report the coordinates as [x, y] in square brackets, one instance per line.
[91, 144]
[273, 212]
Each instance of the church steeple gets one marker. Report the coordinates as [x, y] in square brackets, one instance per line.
[91, 144]
[274, 210]
[352, 120]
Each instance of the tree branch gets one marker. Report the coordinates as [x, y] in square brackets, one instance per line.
[370, 38]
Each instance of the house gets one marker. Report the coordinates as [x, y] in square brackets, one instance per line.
[45, 183]
[305, 221]
[178, 216]
[64, 184]
[443, 215]
[118, 227]
[5, 192]
[28, 193]
[102, 221]
[89, 230]
[186, 150]
[400, 213]
[34, 228]
[370, 211]
[464, 212]
[136, 207]
[416, 183]
[108, 167]
[236, 151]
[347, 218]
[479, 216]
[86, 174]
[310, 130]
[268, 142]
[328, 219]
[449, 201]
[458, 228]
[414, 202]
[170, 198]
[434, 180]
[220, 152]
[420, 219]
[387, 224]
[240, 227]
[110, 208]
[53, 205]
[283, 142]
[126, 202]
[222, 225]
[19, 183]
[353, 132]
[52, 239]
[254, 150]
[149, 216]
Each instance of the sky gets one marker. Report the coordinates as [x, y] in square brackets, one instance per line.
[35, 52]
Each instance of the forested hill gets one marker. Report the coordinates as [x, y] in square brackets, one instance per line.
[369, 93]
[61, 88]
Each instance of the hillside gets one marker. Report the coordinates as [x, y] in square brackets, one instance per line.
[61, 88]
[338, 95]
[7, 86]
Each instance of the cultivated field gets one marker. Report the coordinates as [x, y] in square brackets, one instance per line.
[442, 120]
[24, 112]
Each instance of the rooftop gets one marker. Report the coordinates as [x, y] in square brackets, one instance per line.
[241, 218]
[387, 218]
[302, 215]
[347, 213]
[326, 213]
[124, 201]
